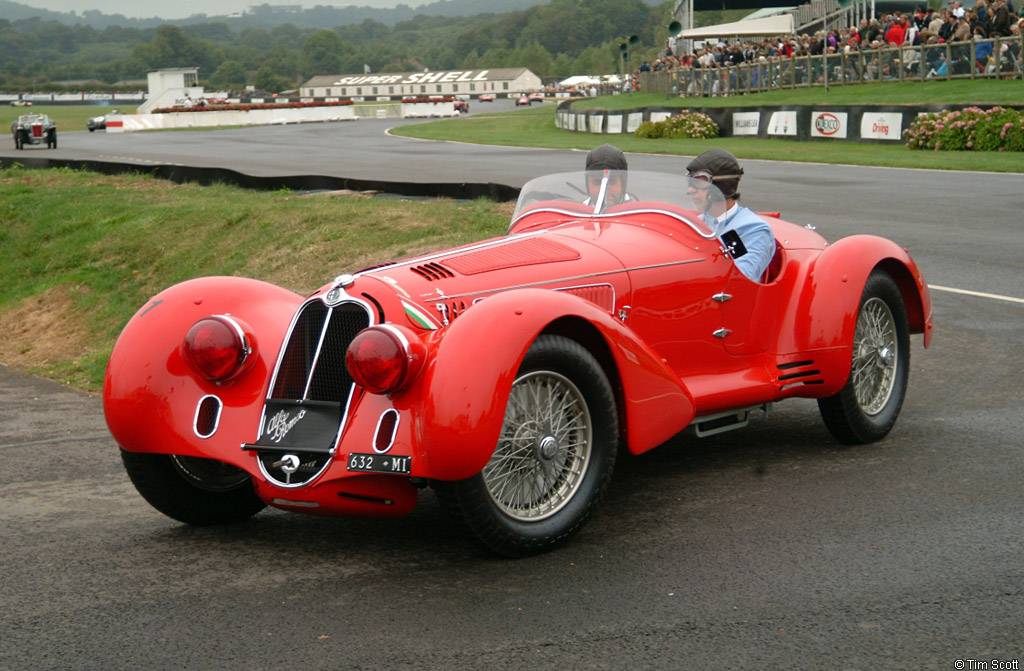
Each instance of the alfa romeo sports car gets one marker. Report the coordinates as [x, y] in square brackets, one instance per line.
[34, 129]
[507, 374]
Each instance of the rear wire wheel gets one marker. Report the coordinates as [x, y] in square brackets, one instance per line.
[554, 457]
[193, 490]
[866, 408]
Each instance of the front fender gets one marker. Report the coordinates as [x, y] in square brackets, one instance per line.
[150, 395]
[476, 359]
[826, 313]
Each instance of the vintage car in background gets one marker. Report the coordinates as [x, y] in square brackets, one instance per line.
[21, 103]
[34, 129]
[95, 123]
[486, 97]
[461, 106]
[523, 100]
[539, 97]
[506, 374]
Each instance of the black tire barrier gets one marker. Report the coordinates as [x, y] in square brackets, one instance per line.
[208, 176]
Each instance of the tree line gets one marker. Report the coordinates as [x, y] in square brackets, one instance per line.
[557, 39]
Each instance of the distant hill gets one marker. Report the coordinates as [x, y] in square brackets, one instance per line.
[268, 15]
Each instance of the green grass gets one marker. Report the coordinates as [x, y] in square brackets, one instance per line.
[81, 252]
[536, 127]
[68, 117]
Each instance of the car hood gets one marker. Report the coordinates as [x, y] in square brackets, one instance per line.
[433, 290]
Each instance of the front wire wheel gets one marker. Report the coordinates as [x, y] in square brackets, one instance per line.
[554, 456]
[544, 448]
[866, 408]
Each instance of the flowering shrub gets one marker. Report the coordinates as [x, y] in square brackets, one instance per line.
[238, 107]
[686, 124]
[970, 129]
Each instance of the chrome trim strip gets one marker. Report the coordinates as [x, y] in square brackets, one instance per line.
[576, 277]
[216, 421]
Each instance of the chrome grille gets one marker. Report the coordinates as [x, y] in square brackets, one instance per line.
[312, 378]
[313, 365]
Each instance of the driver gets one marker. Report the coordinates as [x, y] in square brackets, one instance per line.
[748, 238]
[609, 161]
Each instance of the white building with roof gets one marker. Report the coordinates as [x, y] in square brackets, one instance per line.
[501, 81]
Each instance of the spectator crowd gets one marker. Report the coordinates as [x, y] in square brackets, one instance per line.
[924, 27]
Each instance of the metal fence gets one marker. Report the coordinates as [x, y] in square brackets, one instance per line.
[995, 58]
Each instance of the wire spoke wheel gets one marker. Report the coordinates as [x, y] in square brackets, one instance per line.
[875, 347]
[553, 458]
[544, 447]
[866, 408]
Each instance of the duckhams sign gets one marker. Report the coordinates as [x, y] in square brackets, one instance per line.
[828, 124]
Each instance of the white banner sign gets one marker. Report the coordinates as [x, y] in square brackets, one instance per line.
[829, 124]
[881, 126]
[745, 123]
[633, 121]
[782, 123]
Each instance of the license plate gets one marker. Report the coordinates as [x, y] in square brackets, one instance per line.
[379, 463]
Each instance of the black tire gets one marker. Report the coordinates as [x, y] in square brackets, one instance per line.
[866, 408]
[196, 491]
[559, 382]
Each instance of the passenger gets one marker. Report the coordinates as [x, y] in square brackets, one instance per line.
[610, 161]
[749, 239]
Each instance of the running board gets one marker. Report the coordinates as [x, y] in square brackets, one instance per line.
[709, 425]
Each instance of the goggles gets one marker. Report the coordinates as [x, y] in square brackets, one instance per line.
[703, 179]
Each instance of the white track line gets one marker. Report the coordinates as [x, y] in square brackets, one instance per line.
[980, 294]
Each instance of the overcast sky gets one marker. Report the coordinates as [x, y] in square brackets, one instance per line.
[179, 9]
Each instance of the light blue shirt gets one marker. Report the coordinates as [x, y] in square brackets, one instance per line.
[755, 234]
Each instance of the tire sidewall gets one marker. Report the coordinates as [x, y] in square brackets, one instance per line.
[880, 285]
[514, 537]
[842, 413]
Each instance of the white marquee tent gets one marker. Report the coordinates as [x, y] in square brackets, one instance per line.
[780, 24]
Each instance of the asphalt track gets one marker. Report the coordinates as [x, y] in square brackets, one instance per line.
[766, 548]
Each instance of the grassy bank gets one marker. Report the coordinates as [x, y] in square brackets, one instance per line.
[536, 127]
[81, 252]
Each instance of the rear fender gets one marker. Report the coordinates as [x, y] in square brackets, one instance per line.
[825, 316]
[477, 357]
[150, 395]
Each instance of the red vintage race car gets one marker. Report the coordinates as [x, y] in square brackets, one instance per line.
[505, 374]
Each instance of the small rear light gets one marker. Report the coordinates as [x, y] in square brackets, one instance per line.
[384, 359]
[217, 348]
